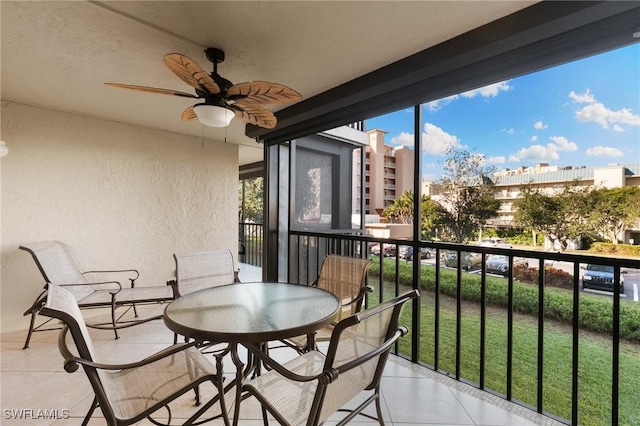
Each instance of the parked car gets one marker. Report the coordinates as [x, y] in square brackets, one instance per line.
[494, 242]
[600, 277]
[499, 264]
[407, 254]
[469, 260]
[388, 249]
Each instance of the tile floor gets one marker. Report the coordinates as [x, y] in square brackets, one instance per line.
[34, 379]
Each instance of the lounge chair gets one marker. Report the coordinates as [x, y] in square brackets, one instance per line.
[58, 268]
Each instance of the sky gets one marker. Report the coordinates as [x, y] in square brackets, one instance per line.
[584, 113]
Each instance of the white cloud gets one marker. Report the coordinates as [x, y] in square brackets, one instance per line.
[500, 159]
[603, 151]
[533, 138]
[436, 141]
[598, 113]
[403, 138]
[490, 91]
[544, 153]
[434, 106]
[585, 98]
[536, 153]
[539, 125]
[563, 143]
[510, 131]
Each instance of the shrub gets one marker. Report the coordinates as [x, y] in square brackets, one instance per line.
[553, 277]
[620, 249]
[594, 313]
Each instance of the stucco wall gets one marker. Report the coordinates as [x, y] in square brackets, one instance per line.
[119, 196]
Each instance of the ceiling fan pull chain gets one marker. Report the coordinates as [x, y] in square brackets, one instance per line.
[203, 135]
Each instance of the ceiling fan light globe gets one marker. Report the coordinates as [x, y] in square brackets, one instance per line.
[212, 115]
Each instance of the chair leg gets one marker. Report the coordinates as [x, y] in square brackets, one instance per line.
[196, 390]
[90, 413]
[378, 406]
[33, 321]
[33, 310]
[113, 319]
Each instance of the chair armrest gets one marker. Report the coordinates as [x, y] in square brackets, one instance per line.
[72, 362]
[273, 364]
[38, 303]
[333, 373]
[361, 294]
[174, 286]
[96, 283]
[132, 280]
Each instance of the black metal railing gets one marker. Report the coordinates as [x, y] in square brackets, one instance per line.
[455, 278]
[250, 237]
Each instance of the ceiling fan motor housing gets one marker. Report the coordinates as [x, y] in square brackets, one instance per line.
[214, 55]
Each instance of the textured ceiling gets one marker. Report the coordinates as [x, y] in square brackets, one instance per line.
[58, 54]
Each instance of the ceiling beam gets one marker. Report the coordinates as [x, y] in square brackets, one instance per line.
[541, 36]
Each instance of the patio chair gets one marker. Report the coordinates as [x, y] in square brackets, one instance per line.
[129, 393]
[197, 271]
[312, 387]
[58, 268]
[200, 270]
[346, 277]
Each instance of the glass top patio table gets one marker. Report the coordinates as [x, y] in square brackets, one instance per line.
[251, 312]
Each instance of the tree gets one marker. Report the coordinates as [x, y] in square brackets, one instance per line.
[614, 210]
[559, 217]
[432, 216]
[401, 211]
[253, 195]
[466, 194]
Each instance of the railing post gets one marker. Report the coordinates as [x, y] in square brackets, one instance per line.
[615, 368]
[541, 283]
[576, 342]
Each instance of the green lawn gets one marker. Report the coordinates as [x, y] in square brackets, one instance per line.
[594, 359]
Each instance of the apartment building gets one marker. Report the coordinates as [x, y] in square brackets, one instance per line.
[388, 173]
[552, 178]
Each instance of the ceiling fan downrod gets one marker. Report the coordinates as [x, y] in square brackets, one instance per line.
[215, 56]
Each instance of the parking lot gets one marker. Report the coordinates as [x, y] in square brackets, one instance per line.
[631, 277]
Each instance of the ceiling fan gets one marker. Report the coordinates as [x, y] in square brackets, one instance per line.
[222, 99]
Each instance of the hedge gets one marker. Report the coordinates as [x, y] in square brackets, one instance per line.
[620, 249]
[595, 313]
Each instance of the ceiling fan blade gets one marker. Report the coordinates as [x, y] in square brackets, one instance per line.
[188, 114]
[191, 73]
[255, 114]
[262, 93]
[151, 90]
